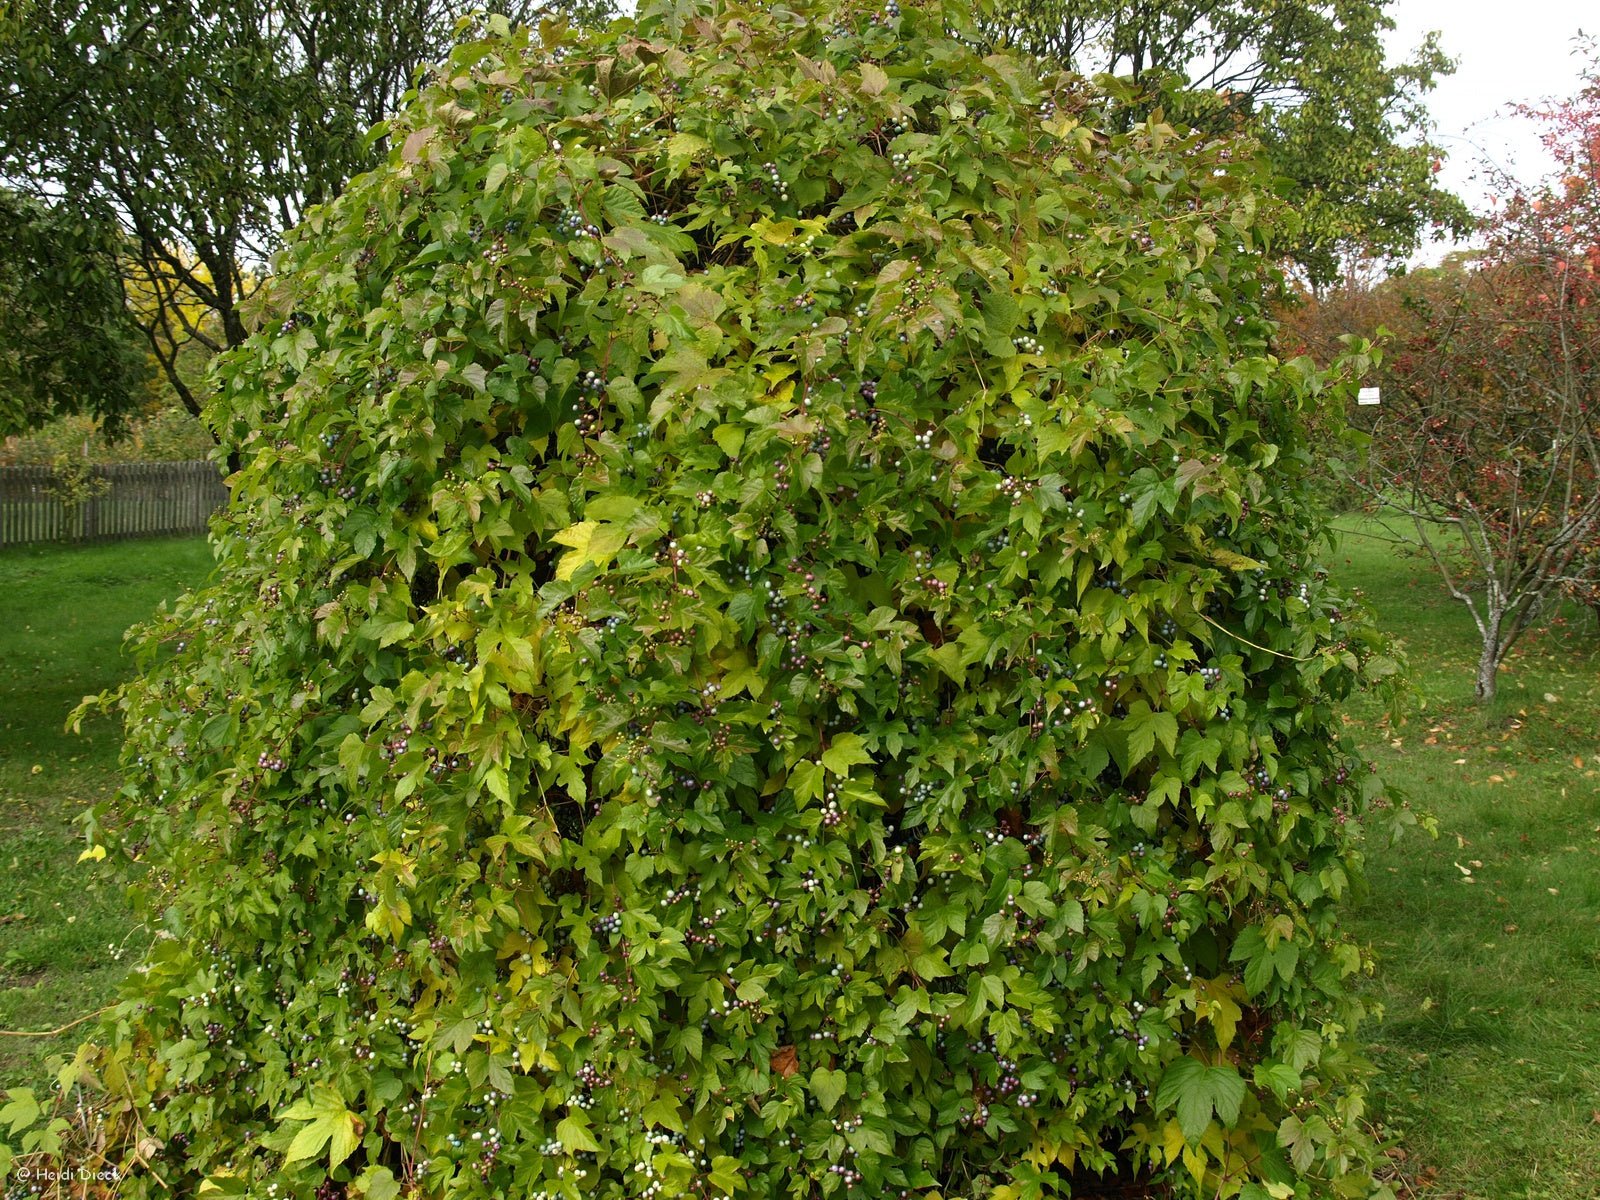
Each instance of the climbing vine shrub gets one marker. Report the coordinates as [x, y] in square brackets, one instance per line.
[768, 643]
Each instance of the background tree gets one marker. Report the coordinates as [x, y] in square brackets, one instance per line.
[159, 434]
[1488, 438]
[67, 344]
[1309, 78]
[203, 129]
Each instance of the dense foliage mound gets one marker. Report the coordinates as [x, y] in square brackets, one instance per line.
[768, 643]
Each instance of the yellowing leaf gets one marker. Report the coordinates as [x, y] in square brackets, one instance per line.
[332, 1125]
[779, 233]
[591, 541]
[683, 149]
[1214, 1003]
[1234, 562]
[346, 1137]
[730, 438]
[1172, 1142]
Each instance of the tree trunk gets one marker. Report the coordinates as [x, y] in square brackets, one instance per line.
[1489, 664]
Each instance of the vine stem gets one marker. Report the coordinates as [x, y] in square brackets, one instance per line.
[53, 1032]
[1240, 638]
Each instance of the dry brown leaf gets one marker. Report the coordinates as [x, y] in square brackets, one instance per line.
[785, 1061]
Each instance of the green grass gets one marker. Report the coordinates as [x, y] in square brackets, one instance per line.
[61, 922]
[1488, 938]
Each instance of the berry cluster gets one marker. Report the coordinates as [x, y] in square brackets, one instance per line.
[443, 764]
[395, 747]
[571, 223]
[1015, 489]
[1111, 581]
[846, 1171]
[706, 936]
[774, 181]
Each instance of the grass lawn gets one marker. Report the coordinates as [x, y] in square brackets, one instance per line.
[61, 923]
[1488, 938]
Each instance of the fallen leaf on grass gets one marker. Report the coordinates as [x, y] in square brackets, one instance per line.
[1509, 928]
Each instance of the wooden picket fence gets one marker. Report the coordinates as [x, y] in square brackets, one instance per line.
[131, 500]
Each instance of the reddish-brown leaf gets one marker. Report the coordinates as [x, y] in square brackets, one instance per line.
[785, 1061]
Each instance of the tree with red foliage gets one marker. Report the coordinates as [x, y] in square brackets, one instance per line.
[1489, 434]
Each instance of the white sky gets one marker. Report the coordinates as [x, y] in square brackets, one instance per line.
[1505, 53]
